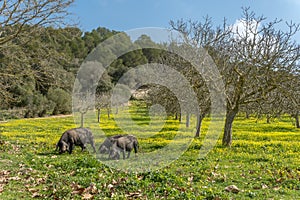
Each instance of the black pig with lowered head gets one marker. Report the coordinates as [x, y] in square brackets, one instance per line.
[123, 144]
[75, 137]
[107, 144]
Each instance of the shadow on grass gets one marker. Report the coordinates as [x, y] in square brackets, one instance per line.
[75, 152]
[278, 129]
[49, 153]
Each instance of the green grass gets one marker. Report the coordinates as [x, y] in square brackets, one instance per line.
[263, 162]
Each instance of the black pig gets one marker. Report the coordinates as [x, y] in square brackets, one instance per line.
[77, 136]
[107, 144]
[123, 144]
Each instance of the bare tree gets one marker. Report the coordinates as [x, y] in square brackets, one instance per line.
[201, 34]
[17, 14]
[260, 60]
[291, 92]
[283, 100]
[253, 61]
[20, 22]
[84, 90]
[103, 101]
[295, 100]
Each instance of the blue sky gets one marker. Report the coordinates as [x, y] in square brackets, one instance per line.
[122, 15]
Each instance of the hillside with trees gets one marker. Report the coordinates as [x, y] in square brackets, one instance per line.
[39, 60]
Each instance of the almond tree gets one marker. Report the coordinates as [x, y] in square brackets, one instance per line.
[253, 61]
[103, 101]
[291, 92]
[260, 59]
[202, 35]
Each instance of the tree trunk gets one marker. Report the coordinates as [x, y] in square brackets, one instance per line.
[227, 137]
[247, 116]
[180, 117]
[187, 123]
[117, 110]
[297, 120]
[81, 119]
[176, 116]
[200, 117]
[99, 114]
[108, 113]
[268, 118]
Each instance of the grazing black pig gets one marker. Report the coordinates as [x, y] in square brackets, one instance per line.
[123, 144]
[107, 144]
[77, 136]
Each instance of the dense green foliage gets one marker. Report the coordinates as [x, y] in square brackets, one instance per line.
[263, 162]
[37, 75]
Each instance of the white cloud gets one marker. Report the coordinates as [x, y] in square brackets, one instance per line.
[241, 28]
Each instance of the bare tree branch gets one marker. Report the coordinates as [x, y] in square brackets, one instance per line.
[18, 13]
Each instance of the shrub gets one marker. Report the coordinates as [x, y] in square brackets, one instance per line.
[61, 100]
[38, 106]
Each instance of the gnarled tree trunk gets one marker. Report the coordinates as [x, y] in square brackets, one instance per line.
[187, 123]
[227, 137]
[200, 118]
[297, 119]
[268, 118]
[99, 114]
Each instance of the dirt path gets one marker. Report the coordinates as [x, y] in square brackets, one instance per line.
[52, 116]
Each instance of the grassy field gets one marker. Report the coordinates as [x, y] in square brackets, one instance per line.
[263, 163]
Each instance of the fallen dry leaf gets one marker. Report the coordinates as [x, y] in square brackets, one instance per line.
[21, 165]
[91, 189]
[15, 178]
[1, 187]
[114, 182]
[190, 179]
[4, 172]
[264, 186]
[87, 196]
[32, 190]
[110, 186]
[276, 188]
[3, 180]
[78, 191]
[75, 186]
[279, 180]
[232, 188]
[35, 195]
[134, 194]
[72, 173]
[40, 180]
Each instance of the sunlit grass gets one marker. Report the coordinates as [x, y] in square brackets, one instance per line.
[263, 161]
